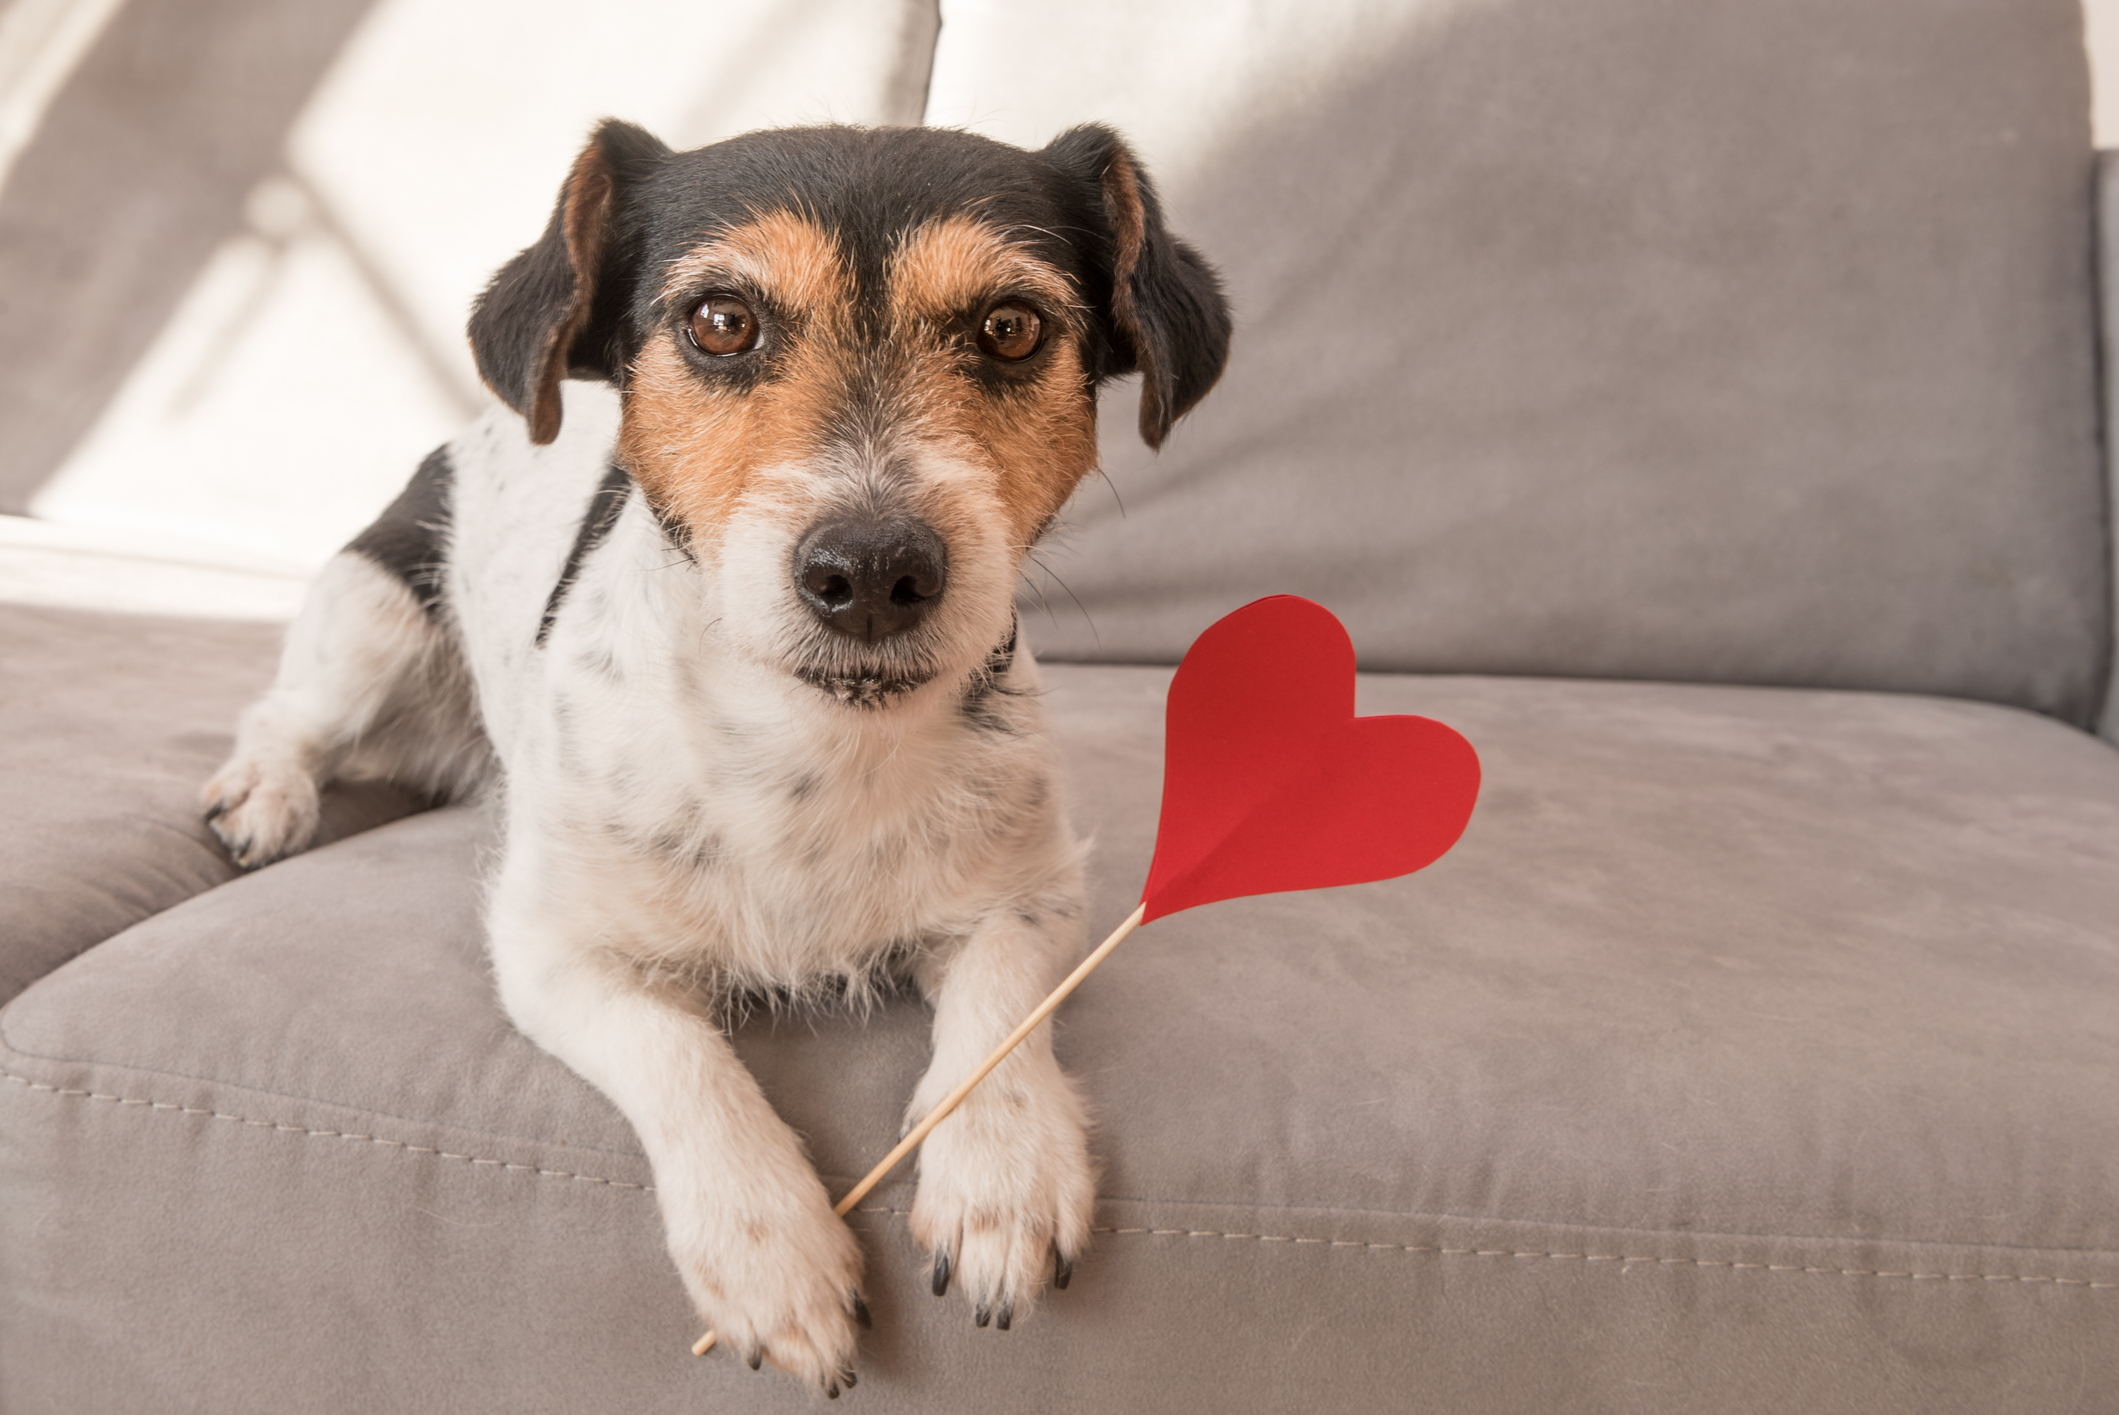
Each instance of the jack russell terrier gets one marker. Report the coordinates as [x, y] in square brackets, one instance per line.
[736, 656]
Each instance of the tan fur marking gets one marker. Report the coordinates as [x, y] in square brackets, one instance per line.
[782, 254]
[1042, 444]
[1039, 439]
[1129, 227]
[588, 209]
[943, 268]
[697, 449]
[1128, 224]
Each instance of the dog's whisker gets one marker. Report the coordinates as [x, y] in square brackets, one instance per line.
[1087, 618]
[1113, 488]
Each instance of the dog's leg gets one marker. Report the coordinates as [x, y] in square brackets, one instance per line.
[362, 655]
[1006, 1184]
[768, 1265]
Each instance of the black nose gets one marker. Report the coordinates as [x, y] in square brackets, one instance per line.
[869, 579]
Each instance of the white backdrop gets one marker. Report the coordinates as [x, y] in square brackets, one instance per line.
[320, 353]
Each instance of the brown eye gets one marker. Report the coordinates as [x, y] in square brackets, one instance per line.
[724, 325]
[1010, 332]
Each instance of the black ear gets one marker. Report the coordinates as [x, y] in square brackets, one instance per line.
[554, 311]
[1168, 317]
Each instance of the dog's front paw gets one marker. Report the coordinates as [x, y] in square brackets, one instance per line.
[776, 1275]
[1006, 1192]
[261, 810]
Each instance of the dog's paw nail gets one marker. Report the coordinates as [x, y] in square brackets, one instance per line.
[861, 1317]
[755, 1358]
[941, 1274]
[849, 1379]
[1062, 1271]
[1003, 1317]
[215, 811]
[982, 1316]
[831, 1392]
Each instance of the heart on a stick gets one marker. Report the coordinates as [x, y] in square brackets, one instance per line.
[1271, 783]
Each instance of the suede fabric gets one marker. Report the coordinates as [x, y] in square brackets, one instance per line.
[109, 726]
[1752, 1052]
[2108, 291]
[1700, 340]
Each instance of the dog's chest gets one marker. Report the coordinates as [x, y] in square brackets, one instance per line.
[777, 853]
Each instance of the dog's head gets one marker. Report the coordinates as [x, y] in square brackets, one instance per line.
[858, 366]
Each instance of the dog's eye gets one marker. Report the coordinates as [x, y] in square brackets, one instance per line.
[724, 325]
[1010, 331]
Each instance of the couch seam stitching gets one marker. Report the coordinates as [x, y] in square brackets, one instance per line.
[1410, 1248]
[1612, 1258]
[1585, 1257]
[278, 1128]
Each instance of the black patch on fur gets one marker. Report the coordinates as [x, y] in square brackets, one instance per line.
[410, 539]
[977, 705]
[674, 530]
[677, 847]
[703, 854]
[604, 506]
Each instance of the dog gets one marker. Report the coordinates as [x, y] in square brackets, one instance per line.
[733, 651]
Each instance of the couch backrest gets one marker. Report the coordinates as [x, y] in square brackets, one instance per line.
[2108, 288]
[1679, 339]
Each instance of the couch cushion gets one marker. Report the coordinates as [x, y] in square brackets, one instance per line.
[1667, 339]
[109, 725]
[1753, 1051]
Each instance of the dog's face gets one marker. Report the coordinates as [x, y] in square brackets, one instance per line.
[859, 367]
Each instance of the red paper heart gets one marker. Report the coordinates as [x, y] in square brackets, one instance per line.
[1271, 783]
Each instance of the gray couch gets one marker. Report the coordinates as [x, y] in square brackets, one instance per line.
[1696, 403]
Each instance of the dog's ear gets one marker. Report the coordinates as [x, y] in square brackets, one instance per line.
[554, 311]
[1168, 317]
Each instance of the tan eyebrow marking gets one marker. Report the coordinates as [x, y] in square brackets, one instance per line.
[699, 450]
[782, 254]
[944, 266]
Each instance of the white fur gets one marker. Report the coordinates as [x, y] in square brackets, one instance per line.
[368, 686]
[685, 820]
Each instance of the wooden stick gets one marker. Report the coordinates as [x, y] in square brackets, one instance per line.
[955, 1098]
